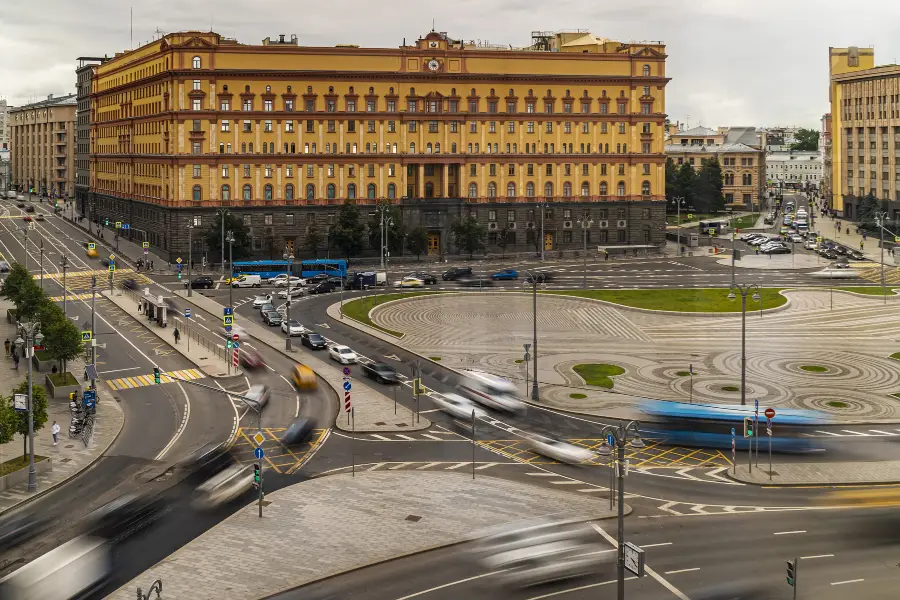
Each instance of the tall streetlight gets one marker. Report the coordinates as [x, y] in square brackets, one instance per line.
[41, 247]
[542, 205]
[223, 212]
[744, 289]
[190, 229]
[230, 239]
[585, 223]
[879, 220]
[622, 435]
[288, 256]
[386, 221]
[678, 201]
[29, 335]
[64, 263]
[534, 279]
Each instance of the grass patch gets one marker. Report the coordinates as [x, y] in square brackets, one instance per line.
[730, 388]
[19, 462]
[868, 290]
[673, 219]
[435, 358]
[683, 373]
[746, 221]
[682, 300]
[839, 404]
[598, 374]
[578, 396]
[519, 361]
[61, 379]
[359, 309]
[43, 355]
[895, 356]
[814, 368]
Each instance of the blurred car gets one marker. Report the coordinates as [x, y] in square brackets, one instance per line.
[26, 218]
[336, 282]
[426, 278]
[92, 253]
[39, 216]
[203, 282]
[283, 281]
[475, 281]
[104, 262]
[317, 279]
[322, 287]
[299, 432]
[313, 340]
[292, 327]
[263, 309]
[783, 230]
[20, 204]
[490, 391]
[293, 292]
[29, 208]
[251, 358]
[857, 255]
[880, 497]
[227, 485]
[127, 513]
[505, 274]
[4, 266]
[259, 396]
[455, 273]
[380, 372]
[342, 354]
[236, 330]
[408, 282]
[842, 250]
[129, 284]
[776, 250]
[458, 406]
[205, 462]
[304, 377]
[541, 277]
[559, 450]
[76, 569]
[18, 529]
[272, 318]
[829, 254]
[262, 299]
[841, 263]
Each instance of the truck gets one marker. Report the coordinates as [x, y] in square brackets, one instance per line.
[362, 281]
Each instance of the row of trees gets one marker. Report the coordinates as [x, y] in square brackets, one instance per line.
[701, 190]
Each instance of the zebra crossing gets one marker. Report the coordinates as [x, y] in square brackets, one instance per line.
[83, 280]
[873, 274]
[136, 381]
[883, 432]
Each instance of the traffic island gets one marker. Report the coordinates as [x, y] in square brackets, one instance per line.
[826, 474]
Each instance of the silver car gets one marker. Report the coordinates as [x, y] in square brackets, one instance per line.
[223, 487]
[564, 452]
[457, 406]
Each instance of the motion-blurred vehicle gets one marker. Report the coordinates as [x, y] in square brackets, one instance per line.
[29, 208]
[129, 284]
[491, 391]
[92, 253]
[380, 372]
[264, 308]
[20, 205]
[206, 461]
[316, 279]
[857, 255]
[458, 406]
[878, 497]
[262, 299]
[559, 450]
[128, 513]
[105, 262]
[409, 282]
[236, 330]
[299, 432]
[284, 281]
[505, 274]
[26, 218]
[776, 250]
[323, 287]
[342, 354]
[75, 569]
[272, 318]
[304, 377]
[18, 529]
[829, 254]
[541, 277]
[227, 485]
[39, 216]
[251, 359]
[841, 263]
[292, 327]
[4, 266]
[204, 282]
[293, 292]
[313, 340]
[427, 278]
[259, 395]
[475, 281]
[454, 273]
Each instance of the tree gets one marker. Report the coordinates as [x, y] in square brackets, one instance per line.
[62, 340]
[671, 179]
[468, 234]
[417, 241]
[313, 240]
[868, 211]
[396, 230]
[807, 140]
[213, 237]
[14, 283]
[685, 182]
[38, 407]
[7, 420]
[503, 240]
[708, 187]
[348, 233]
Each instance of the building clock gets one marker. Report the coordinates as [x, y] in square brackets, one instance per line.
[433, 64]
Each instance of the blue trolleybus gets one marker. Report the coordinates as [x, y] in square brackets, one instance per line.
[323, 266]
[266, 269]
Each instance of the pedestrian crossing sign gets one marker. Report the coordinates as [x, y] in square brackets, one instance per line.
[86, 336]
[418, 388]
[228, 320]
[145, 245]
[112, 268]
[92, 246]
[118, 224]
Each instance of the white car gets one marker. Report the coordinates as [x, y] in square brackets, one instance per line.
[811, 244]
[262, 299]
[259, 396]
[559, 450]
[223, 487]
[295, 292]
[282, 281]
[409, 282]
[295, 327]
[797, 238]
[342, 354]
[458, 406]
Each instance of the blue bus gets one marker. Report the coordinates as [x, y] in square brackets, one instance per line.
[709, 426]
[323, 266]
[266, 269]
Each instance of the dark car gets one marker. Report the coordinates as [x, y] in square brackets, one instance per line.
[129, 284]
[19, 529]
[317, 279]
[322, 287]
[205, 462]
[312, 340]
[841, 263]
[842, 250]
[299, 431]
[104, 262]
[128, 513]
[263, 309]
[829, 254]
[337, 282]
[20, 204]
[203, 283]
[475, 281]
[455, 273]
[541, 277]
[854, 254]
[272, 318]
[777, 250]
[380, 372]
[29, 209]
[427, 278]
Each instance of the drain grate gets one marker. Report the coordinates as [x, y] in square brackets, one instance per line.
[414, 518]
[381, 423]
[65, 460]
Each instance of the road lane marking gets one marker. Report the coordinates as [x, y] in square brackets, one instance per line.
[655, 545]
[432, 437]
[804, 557]
[427, 465]
[120, 370]
[452, 583]
[578, 589]
[680, 570]
[592, 490]
[567, 482]
[789, 532]
[848, 581]
[380, 437]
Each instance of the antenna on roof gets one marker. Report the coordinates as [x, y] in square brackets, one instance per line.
[432, 25]
[131, 26]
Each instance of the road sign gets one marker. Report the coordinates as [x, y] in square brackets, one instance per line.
[227, 311]
[690, 216]
[756, 404]
[90, 398]
[178, 260]
[258, 438]
[347, 402]
[20, 401]
[228, 320]
[769, 427]
[610, 439]
[235, 337]
[347, 370]
[118, 224]
[347, 386]
[92, 246]
[112, 267]
[228, 329]
[112, 258]
[86, 336]
[818, 238]
[126, 226]
[235, 345]
[770, 413]
[145, 245]
[187, 313]
[897, 239]
[258, 453]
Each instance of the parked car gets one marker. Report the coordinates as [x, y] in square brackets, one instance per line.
[299, 432]
[776, 250]
[407, 282]
[380, 372]
[29, 208]
[342, 354]
[292, 327]
[854, 254]
[203, 282]
[505, 274]
[262, 299]
[427, 278]
[842, 250]
[272, 318]
[266, 308]
[455, 273]
[323, 287]
[313, 340]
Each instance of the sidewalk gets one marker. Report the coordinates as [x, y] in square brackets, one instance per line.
[373, 411]
[826, 228]
[341, 523]
[837, 473]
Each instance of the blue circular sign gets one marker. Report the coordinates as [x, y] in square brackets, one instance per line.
[610, 439]
[347, 386]
[235, 345]
[346, 370]
[258, 453]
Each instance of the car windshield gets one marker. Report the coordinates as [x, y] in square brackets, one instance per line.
[315, 337]
[293, 323]
[345, 350]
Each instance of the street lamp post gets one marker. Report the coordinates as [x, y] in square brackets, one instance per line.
[230, 240]
[223, 212]
[679, 202]
[535, 278]
[585, 225]
[542, 206]
[64, 263]
[41, 246]
[190, 229]
[29, 335]
[622, 435]
[879, 220]
[744, 289]
[288, 256]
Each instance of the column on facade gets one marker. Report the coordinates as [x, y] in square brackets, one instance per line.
[420, 180]
[445, 180]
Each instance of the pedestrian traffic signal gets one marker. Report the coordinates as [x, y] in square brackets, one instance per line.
[748, 427]
[155, 374]
[106, 222]
[791, 572]
[257, 470]
[179, 275]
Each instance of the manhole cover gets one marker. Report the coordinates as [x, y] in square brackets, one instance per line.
[380, 423]
[402, 425]
[414, 518]
[65, 460]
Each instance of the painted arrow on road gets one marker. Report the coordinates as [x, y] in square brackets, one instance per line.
[392, 357]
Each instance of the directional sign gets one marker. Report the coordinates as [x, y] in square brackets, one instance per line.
[126, 226]
[347, 370]
[347, 386]
[118, 224]
[86, 336]
[227, 311]
[228, 320]
[235, 345]
[92, 246]
[90, 398]
[769, 427]
[757, 405]
[259, 438]
[770, 413]
[258, 453]
[145, 245]
[187, 313]
[178, 260]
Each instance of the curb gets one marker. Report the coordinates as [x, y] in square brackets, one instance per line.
[833, 484]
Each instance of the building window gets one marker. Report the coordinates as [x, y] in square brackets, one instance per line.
[646, 70]
[473, 190]
[330, 106]
[247, 220]
[351, 105]
[391, 190]
[620, 188]
[391, 106]
[310, 191]
[268, 105]
[196, 62]
[289, 191]
[370, 106]
[645, 189]
[247, 192]
[351, 191]
[226, 193]
[197, 193]
[289, 126]
[246, 170]
[392, 126]
[548, 127]
[195, 104]
[248, 105]
[267, 126]
[196, 148]
[289, 219]
[330, 191]
[432, 126]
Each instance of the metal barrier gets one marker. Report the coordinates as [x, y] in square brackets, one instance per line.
[156, 586]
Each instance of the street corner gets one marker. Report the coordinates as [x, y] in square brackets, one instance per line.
[281, 458]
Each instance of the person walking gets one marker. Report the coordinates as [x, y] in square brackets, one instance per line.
[6, 345]
[54, 429]
[15, 356]
[177, 334]
[861, 244]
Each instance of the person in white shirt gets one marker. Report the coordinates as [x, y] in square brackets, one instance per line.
[54, 429]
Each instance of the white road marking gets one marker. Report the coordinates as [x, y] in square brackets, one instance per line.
[426, 466]
[805, 557]
[380, 437]
[655, 545]
[579, 588]
[405, 437]
[457, 465]
[881, 432]
[119, 370]
[398, 466]
[854, 432]
[789, 532]
[542, 474]
[452, 583]
[829, 433]
[486, 466]
[592, 490]
[681, 570]
[848, 581]
[567, 482]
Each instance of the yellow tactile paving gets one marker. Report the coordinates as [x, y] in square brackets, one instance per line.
[81, 280]
[873, 274]
[280, 458]
[136, 381]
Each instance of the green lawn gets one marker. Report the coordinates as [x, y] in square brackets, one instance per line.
[359, 309]
[730, 388]
[19, 462]
[895, 356]
[673, 219]
[685, 300]
[683, 373]
[746, 221]
[814, 368]
[598, 374]
[869, 290]
[577, 396]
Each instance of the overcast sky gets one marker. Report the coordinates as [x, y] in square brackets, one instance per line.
[732, 62]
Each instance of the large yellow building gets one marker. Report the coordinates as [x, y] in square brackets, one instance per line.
[283, 134]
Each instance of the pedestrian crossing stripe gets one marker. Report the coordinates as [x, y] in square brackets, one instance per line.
[126, 383]
[70, 297]
[71, 274]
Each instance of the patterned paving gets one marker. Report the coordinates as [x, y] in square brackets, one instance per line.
[77, 281]
[282, 459]
[873, 274]
[136, 381]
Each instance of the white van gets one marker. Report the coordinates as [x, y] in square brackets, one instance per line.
[247, 281]
[72, 570]
[380, 278]
[491, 391]
[11, 195]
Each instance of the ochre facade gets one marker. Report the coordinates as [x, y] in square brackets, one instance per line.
[194, 121]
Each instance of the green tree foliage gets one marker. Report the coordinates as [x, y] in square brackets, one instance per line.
[671, 179]
[7, 420]
[313, 240]
[417, 241]
[348, 233]
[708, 196]
[468, 235]
[503, 240]
[21, 289]
[396, 230]
[807, 140]
[39, 408]
[868, 211]
[13, 284]
[685, 183]
[62, 339]
[213, 238]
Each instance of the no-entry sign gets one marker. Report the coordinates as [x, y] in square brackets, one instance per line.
[770, 413]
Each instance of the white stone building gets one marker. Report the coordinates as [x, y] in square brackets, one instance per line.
[794, 169]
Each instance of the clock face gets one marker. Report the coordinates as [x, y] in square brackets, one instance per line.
[434, 65]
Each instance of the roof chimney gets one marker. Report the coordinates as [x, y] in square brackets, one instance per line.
[49, 96]
[281, 38]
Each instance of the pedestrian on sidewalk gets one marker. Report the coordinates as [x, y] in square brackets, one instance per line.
[54, 429]
[861, 244]
[177, 334]
[15, 356]
[6, 345]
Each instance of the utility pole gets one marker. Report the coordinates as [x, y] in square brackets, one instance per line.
[230, 262]
[585, 223]
[29, 335]
[223, 212]
[65, 265]
[93, 339]
[289, 256]
[190, 229]
[41, 246]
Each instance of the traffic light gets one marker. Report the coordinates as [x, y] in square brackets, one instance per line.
[257, 471]
[106, 222]
[155, 374]
[792, 572]
[748, 427]
[179, 275]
